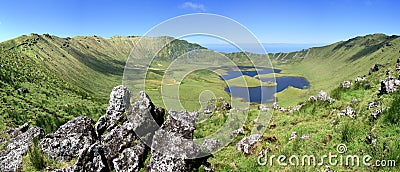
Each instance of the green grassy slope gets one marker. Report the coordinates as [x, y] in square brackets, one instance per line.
[326, 67]
[65, 77]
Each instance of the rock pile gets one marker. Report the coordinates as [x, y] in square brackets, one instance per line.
[120, 140]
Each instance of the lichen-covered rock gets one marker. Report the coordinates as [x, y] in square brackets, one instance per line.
[11, 155]
[145, 118]
[130, 159]
[119, 138]
[66, 143]
[348, 112]
[246, 144]
[173, 143]
[119, 102]
[323, 96]
[90, 159]
[210, 145]
[346, 84]
[389, 85]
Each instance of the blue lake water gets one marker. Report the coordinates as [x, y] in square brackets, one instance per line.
[262, 94]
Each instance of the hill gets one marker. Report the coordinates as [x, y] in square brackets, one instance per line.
[326, 67]
[47, 81]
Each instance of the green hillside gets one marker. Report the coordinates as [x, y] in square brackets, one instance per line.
[326, 67]
[65, 77]
[47, 80]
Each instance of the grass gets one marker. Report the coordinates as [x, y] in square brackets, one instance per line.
[247, 81]
[57, 93]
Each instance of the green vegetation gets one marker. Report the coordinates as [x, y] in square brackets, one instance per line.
[46, 81]
[247, 81]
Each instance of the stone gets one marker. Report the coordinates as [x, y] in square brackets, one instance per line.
[374, 104]
[293, 136]
[370, 139]
[131, 159]
[119, 102]
[90, 159]
[376, 113]
[389, 85]
[298, 107]
[119, 138]
[305, 136]
[23, 90]
[237, 132]
[312, 98]
[66, 143]
[248, 143]
[328, 169]
[347, 112]
[346, 84]
[173, 148]
[17, 147]
[359, 79]
[145, 118]
[323, 96]
[354, 100]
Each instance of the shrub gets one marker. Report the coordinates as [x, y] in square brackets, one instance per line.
[36, 155]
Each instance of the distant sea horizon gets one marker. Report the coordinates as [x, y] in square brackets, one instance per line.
[268, 47]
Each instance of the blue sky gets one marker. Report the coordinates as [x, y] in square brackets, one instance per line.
[272, 21]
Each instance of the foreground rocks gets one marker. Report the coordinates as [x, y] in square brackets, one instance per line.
[11, 155]
[173, 145]
[120, 140]
[66, 143]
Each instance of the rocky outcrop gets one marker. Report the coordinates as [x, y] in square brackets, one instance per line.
[115, 143]
[11, 155]
[119, 102]
[172, 144]
[389, 85]
[66, 143]
[145, 118]
[131, 159]
[90, 159]
[248, 143]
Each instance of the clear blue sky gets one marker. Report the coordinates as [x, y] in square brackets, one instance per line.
[272, 21]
